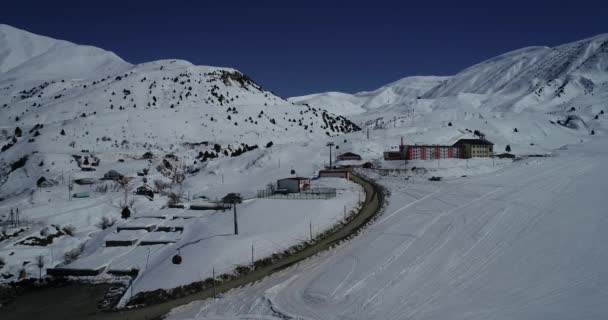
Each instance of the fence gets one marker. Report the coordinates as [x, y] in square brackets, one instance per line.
[15, 223]
[318, 193]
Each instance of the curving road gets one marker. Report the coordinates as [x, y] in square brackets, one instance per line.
[69, 305]
[526, 242]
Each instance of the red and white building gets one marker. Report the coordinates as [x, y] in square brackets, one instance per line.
[462, 149]
[427, 152]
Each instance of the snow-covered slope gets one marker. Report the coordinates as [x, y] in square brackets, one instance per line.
[524, 71]
[69, 112]
[522, 98]
[25, 56]
[160, 106]
[394, 93]
[525, 242]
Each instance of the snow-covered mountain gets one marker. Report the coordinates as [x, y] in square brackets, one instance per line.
[394, 93]
[534, 98]
[65, 98]
[25, 56]
[513, 81]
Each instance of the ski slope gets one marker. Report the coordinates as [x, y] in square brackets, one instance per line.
[526, 242]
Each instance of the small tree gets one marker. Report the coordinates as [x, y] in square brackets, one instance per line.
[40, 265]
[125, 213]
[177, 174]
[233, 199]
[271, 187]
[592, 132]
[124, 183]
[18, 132]
[508, 148]
[515, 130]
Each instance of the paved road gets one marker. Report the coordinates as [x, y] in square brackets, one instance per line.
[66, 304]
[526, 242]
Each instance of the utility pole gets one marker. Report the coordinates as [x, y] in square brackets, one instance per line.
[252, 264]
[213, 277]
[330, 144]
[236, 222]
[70, 188]
[368, 133]
[148, 259]
[310, 229]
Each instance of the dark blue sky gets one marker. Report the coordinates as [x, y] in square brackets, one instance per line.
[300, 47]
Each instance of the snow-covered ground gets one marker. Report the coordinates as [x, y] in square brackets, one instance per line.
[525, 242]
[205, 237]
[493, 237]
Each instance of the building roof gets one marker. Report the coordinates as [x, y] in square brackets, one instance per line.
[474, 141]
[334, 170]
[349, 154]
[296, 178]
[429, 145]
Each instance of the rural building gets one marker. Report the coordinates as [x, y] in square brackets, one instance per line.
[475, 148]
[348, 156]
[463, 149]
[293, 185]
[334, 174]
[393, 155]
[428, 152]
[112, 175]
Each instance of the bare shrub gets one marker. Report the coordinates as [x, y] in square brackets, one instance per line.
[173, 198]
[101, 188]
[69, 230]
[160, 186]
[73, 254]
[105, 222]
[124, 184]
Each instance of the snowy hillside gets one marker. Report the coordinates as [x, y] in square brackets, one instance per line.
[533, 99]
[562, 71]
[395, 93]
[192, 134]
[158, 106]
[26, 57]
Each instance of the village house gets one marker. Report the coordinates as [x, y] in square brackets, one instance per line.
[348, 156]
[334, 174]
[462, 149]
[475, 148]
[293, 185]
